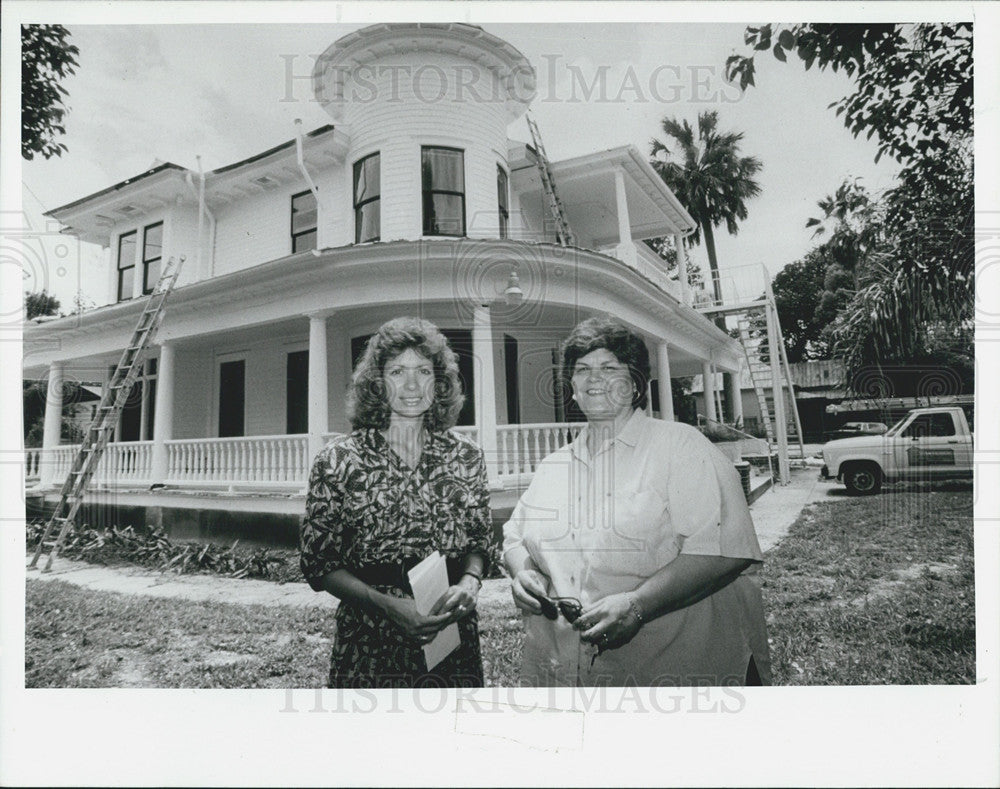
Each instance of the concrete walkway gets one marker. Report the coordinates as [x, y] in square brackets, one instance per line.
[773, 514]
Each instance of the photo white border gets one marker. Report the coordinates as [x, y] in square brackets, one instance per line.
[781, 736]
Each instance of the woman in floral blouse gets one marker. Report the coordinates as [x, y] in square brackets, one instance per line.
[381, 499]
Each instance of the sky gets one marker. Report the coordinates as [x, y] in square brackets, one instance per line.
[173, 92]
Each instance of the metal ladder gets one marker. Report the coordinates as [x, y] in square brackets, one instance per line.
[760, 376]
[563, 232]
[107, 415]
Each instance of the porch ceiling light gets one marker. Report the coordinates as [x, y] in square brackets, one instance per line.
[513, 294]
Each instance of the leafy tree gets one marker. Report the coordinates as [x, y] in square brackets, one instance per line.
[798, 293]
[34, 394]
[918, 284]
[47, 57]
[913, 250]
[921, 73]
[37, 304]
[709, 177]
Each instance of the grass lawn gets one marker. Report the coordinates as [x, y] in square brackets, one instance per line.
[86, 639]
[874, 591]
[862, 591]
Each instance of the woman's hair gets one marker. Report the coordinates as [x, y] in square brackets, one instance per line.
[367, 404]
[603, 331]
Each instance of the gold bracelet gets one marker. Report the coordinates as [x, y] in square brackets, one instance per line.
[635, 608]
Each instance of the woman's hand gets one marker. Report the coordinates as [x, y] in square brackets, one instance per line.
[609, 623]
[526, 587]
[402, 612]
[459, 600]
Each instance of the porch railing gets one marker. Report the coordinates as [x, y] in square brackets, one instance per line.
[520, 448]
[32, 466]
[123, 462]
[274, 460]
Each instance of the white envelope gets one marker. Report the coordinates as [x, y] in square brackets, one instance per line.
[429, 580]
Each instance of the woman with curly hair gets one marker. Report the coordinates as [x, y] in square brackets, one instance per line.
[400, 486]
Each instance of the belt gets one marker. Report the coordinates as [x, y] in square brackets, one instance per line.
[395, 573]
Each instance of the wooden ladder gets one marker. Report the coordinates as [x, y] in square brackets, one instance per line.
[563, 232]
[106, 417]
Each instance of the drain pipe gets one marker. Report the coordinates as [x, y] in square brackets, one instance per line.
[202, 207]
[190, 182]
[199, 195]
[312, 186]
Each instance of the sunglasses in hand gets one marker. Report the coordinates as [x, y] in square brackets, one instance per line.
[569, 607]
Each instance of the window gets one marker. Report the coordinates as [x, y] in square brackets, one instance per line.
[513, 383]
[503, 202]
[304, 220]
[367, 202]
[930, 425]
[126, 265]
[297, 392]
[152, 255]
[137, 420]
[232, 398]
[443, 179]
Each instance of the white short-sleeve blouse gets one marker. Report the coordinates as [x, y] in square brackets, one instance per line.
[602, 525]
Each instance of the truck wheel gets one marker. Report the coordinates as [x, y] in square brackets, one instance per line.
[863, 479]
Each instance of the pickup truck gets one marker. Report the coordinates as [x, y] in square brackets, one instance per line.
[926, 444]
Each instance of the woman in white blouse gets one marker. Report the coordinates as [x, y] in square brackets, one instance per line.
[632, 553]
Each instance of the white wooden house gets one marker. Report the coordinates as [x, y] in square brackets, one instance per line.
[413, 200]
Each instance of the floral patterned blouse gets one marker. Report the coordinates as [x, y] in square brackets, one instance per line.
[366, 506]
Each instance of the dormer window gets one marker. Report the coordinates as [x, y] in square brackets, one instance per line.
[126, 265]
[152, 255]
[443, 179]
[503, 202]
[367, 199]
[304, 222]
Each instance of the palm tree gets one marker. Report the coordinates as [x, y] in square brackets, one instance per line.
[709, 177]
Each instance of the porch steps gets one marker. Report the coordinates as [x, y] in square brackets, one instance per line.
[563, 231]
[108, 412]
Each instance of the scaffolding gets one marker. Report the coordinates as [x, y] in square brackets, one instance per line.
[747, 297]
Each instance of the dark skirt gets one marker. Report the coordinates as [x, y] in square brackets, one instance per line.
[369, 651]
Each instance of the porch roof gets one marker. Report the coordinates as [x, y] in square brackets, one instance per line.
[384, 273]
[586, 188]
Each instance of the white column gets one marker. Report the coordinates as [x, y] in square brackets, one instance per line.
[53, 422]
[708, 386]
[663, 376]
[163, 418]
[682, 269]
[626, 247]
[318, 401]
[735, 397]
[484, 383]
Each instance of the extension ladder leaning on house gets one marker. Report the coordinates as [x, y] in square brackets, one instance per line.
[107, 415]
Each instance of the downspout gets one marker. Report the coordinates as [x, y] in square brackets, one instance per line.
[202, 211]
[320, 235]
[202, 207]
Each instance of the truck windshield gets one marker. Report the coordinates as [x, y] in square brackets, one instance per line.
[895, 428]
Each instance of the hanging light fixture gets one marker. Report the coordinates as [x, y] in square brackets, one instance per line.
[513, 294]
